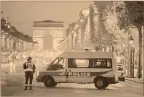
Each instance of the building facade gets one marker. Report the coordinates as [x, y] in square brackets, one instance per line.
[13, 43]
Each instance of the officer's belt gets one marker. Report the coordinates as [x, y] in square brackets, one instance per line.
[28, 69]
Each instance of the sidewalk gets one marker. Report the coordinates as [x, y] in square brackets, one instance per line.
[135, 80]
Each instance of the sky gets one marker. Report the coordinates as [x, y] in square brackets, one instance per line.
[22, 13]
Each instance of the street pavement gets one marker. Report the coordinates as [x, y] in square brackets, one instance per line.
[14, 87]
[121, 89]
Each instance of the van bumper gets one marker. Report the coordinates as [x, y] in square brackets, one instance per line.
[121, 78]
[111, 80]
[39, 79]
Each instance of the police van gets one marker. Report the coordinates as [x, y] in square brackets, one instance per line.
[81, 67]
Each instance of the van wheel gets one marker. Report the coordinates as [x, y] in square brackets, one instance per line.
[49, 82]
[107, 85]
[100, 83]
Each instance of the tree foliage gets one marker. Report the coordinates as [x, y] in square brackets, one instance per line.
[113, 13]
[132, 13]
[136, 17]
[99, 34]
[94, 20]
[135, 12]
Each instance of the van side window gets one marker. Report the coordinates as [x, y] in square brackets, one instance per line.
[89, 63]
[102, 63]
[78, 63]
[82, 62]
[71, 63]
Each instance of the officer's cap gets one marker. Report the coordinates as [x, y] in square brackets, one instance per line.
[29, 58]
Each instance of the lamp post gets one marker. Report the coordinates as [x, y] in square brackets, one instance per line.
[132, 50]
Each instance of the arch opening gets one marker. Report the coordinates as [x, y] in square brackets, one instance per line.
[48, 42]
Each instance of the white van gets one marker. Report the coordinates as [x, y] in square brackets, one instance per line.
[81, 67]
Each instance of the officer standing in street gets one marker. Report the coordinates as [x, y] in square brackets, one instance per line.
[29, 68]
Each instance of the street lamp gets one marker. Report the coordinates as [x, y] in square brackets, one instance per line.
[132, 50]
[131, 40]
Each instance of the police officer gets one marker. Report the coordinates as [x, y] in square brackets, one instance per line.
[29, 68]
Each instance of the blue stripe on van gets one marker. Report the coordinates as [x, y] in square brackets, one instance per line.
[88, 73]
[98, 73]
[75, 73]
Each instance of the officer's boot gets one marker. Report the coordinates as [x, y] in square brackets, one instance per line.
[25, 88]
[30, 88]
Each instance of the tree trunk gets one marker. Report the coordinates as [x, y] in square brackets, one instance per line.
[143, 55]
[1, 42]
[143, 48]
[140, 53]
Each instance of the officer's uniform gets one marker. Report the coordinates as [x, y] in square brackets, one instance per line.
[29, 71]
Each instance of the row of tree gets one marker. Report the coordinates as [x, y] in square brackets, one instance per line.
[116, 18]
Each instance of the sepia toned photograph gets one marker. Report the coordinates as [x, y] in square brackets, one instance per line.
[72, 49]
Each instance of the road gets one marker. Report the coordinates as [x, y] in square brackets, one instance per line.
[127, 88]
[121, 89]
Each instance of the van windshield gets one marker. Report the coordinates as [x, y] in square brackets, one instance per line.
[57, 64]
[120, 68]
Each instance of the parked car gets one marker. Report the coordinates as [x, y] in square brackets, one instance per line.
[121, 72]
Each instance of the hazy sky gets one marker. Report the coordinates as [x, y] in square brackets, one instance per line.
[22, 14]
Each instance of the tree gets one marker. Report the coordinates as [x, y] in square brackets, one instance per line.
[111, 23]
[134, 15]
[98, 32]
[93, 21]
[123, 15]
[105, 23]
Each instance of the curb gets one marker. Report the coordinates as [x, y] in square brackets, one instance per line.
[134, 81]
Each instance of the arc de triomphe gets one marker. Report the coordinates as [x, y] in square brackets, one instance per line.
[48, 34]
